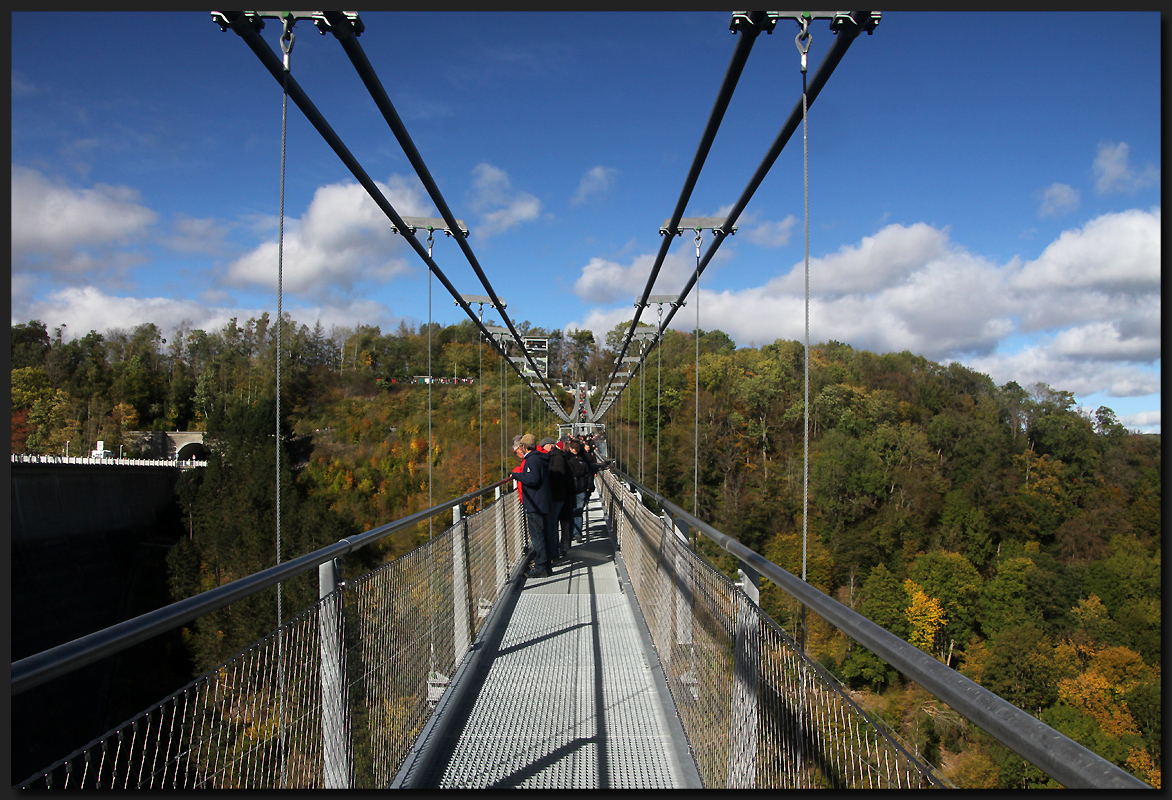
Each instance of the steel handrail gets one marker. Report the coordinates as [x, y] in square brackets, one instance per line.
[35, 670]
[1059, 756]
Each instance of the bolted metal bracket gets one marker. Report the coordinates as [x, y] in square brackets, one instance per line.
[714, 224]
[482, 299]
[743, 21]
[225, 19]
[431, 224]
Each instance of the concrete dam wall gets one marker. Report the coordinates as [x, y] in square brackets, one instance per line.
[88, 550]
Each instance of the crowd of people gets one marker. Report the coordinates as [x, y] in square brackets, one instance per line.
[554, 481]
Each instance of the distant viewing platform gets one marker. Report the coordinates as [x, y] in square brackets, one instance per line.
[23, 458]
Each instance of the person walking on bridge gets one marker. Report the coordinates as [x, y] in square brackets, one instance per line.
[532, 476]
[561, 489]
[583, 476]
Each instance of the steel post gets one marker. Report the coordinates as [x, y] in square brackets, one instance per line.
[461, 629]
[684, 588]
[750, 582]
[502, 558]
[335, 709]
[666, 582]
[742, 734]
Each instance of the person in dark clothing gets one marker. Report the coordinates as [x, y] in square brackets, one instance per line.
[582, 480]
[561, 487]
[532, 475]
[594, 460]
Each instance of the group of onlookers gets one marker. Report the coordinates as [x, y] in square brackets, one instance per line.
[554, 481]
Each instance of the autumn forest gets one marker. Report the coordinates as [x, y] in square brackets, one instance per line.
[1011, 534]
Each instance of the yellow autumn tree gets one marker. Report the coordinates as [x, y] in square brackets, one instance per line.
[1093, 694]
[925, 616]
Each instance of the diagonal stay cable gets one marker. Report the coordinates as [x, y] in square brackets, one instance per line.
[242, 25]
[842, 41]
[343, 31]
[834, 55]
[732, 75]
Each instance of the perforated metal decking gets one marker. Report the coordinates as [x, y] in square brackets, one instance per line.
[569, 696]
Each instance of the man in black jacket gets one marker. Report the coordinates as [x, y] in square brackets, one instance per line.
[561, 491]
[583, 479]
[532, 476]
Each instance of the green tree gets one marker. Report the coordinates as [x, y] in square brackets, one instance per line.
[30, 345]
[1005, 598]
[1020, 667]
[29, 384]
[581, 346]
[955, 583]
[884, 601]
[846, 478]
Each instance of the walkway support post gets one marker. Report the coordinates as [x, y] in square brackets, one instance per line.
[461, 623]
[502, 567]
[668, 583]
[742, 733]
[337, 764]
[684, 586]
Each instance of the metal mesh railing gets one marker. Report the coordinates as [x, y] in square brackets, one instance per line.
[757, 711]
[330, 699]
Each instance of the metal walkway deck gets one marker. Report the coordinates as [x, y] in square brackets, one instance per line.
[569, 694]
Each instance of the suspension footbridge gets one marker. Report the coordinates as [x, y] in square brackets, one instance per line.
[636, 664]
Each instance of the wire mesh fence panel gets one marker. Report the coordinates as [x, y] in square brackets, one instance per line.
[257, 720]
[757, 711]
[401, 654]
[815, 736]
[484, 580]
[252, 722]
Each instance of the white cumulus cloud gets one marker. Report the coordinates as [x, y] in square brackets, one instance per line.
[499, 205]
[604, 281]
[1058, 199]
[87, 308]
[63, 230]
[1084, 316]
[342, 239]
[1114, 173]
[878, 261]
[1103, 340]
[1117, 252]
[1143, 421]
[772, 234]
[597, 180]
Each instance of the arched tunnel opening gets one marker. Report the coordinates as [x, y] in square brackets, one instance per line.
[192, 450]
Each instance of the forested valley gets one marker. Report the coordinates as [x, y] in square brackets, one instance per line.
[1002, 529]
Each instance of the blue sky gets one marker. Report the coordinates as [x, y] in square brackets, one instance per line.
[984, 187]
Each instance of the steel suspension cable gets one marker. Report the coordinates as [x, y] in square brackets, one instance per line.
[343, 31]
[480, 396]
[658, 392]
[803, 41]
[731, 76]
[642, 413]
[430, 503]
[504, 407]
[243, 26]
[806, 366]
[840, 44]
[696, 429]
[287, 48]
